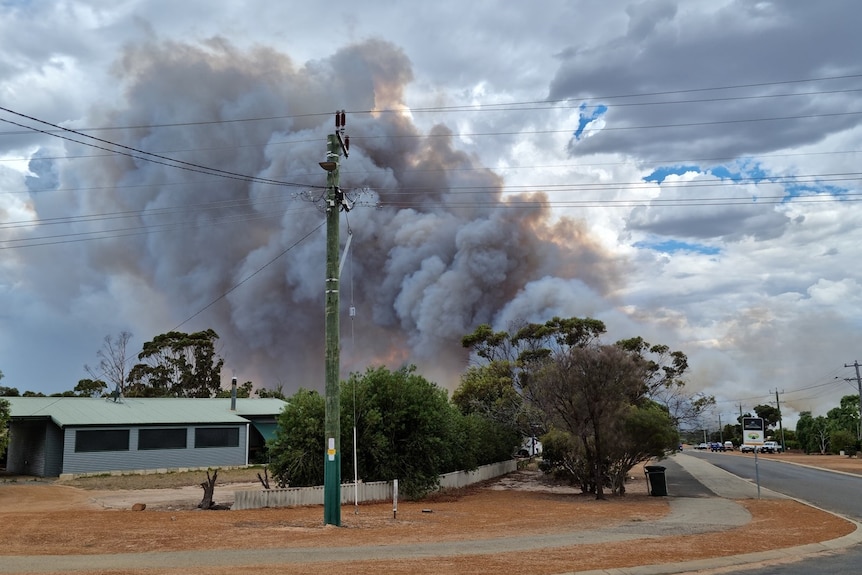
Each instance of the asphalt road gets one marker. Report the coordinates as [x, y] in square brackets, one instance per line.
[832, 491]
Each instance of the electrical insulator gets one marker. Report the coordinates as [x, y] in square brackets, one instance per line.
[343, 119]
[337, 120]
[347, 143]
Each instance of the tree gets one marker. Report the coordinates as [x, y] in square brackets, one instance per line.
[112, 362]
[563, 455]
[821, 433]
[406, 427]
[511, 358]
[5, 416]
[841, 440]
[296, 454]
[731, 432]
[790, 439]
[529, 344]
[846, 415]
[562, 372]
[8, 391]
[480, 441]
[242, 390]
[663, 368]
[177, 365]
[90, 388]
[586, 392]
[686, 409]
[770, 414]
[277, 392]
[648, 431]
[488, 391]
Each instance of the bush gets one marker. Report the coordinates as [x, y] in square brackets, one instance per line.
[840, 439]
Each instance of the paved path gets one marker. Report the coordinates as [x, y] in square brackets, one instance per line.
[698, 492]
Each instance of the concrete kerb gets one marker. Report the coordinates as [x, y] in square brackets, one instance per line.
[723, 483]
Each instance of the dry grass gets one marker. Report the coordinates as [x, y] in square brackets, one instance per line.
[169, 480]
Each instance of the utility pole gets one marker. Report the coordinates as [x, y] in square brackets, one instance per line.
[720, 431]
[336, 143]
[859, 385]
[780, 425]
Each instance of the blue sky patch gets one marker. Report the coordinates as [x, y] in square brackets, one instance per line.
[674, 246]
[744, 169]
[810, 188]
[659, 174]
[748, 171]
[585, 117]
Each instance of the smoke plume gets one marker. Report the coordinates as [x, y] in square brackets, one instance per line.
[434, 250]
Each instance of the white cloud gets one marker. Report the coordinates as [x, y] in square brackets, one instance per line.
[755, 281]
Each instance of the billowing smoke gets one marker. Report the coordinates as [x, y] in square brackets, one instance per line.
[434, 250]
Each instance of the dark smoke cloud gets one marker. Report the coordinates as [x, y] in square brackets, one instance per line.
[431, 256]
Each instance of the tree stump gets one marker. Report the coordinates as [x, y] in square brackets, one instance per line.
[208, 487]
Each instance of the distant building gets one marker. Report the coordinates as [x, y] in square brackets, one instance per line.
[53, 436]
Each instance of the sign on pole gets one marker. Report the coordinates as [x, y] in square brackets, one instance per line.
[752, 430]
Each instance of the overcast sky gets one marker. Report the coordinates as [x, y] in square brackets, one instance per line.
[686, 171]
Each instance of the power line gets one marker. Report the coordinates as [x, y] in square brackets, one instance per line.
[639, 185]
[432, 135]
[249, 276]
[724, 182]
[168, 210]
[115, 233]
[518, 105]
[147, 157]
[402, 192]
[400, 201]
[660, 162]
[608, 128]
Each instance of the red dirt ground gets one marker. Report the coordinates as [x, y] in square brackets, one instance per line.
[41, 519]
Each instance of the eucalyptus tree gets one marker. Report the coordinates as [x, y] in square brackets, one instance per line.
[559, 374]
[177, 364]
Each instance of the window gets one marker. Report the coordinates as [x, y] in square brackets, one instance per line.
[101, 440]
[216, 437]
[168, 438]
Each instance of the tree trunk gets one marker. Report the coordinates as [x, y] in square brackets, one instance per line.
[209, 488]
[265, 479]
[599, 470]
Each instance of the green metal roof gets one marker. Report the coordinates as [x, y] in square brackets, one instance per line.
[80, 411]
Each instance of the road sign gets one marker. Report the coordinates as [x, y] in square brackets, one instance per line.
[752, 430]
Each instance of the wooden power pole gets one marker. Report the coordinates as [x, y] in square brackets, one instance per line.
[336, 144]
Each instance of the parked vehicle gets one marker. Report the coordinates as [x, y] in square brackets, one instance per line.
[530, 447]
[703, 446]
[767, 447]
[716, 446]
[770, 447]
[728, 446]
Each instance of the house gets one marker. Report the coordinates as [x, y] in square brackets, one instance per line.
[52, 436]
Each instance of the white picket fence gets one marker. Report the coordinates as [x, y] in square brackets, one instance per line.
[365, 492]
